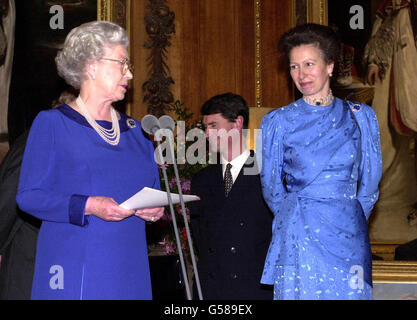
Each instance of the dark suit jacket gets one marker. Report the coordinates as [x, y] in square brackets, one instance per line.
[18, 230]
[231, 235]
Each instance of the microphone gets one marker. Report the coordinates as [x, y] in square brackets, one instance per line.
[167, 123]
[150, 124]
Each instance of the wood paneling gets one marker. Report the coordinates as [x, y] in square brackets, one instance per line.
[246, 50]
[217, 50]
[276, 87]
[213, 51]
[138, 55]
[187, 44]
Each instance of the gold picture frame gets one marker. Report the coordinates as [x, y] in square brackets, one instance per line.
[394, 280]
[117, 11]
[385, 249]
[105, 10]
[305, 11]
[317, 11]
[258, 48]
[394, 271]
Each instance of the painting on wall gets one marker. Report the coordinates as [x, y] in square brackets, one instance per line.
[40, 30]
[388, 69]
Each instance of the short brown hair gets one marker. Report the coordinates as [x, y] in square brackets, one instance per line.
[326, 40]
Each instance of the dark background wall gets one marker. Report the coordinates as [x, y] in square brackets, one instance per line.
[35, 83]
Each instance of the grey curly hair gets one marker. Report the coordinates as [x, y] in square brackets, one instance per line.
[85, 44]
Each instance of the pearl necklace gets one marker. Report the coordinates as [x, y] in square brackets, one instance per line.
[111, 136]
[320, 101]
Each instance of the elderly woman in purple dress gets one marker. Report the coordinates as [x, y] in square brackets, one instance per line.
[82, 159]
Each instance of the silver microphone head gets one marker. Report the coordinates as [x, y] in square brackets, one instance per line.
[167, 122]
[150, 124]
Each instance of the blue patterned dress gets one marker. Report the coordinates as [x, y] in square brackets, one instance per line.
[320, 172]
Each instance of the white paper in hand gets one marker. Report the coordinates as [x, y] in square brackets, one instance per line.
[150, 198]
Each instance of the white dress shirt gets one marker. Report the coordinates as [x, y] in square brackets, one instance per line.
[237, 164]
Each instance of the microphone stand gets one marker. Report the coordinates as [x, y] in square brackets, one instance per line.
[174, 220]
[187, 228]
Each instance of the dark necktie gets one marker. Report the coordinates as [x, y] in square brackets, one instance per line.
[228, 180]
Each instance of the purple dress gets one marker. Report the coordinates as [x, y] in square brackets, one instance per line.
[65, 162]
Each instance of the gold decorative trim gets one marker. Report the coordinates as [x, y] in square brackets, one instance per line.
[293, 18]
[128, 28]
[117, 11]
[309, 11]
[258, 61]
[317, 11]
[128, 22]
[105, 10]
[394, 271]
[385, 250]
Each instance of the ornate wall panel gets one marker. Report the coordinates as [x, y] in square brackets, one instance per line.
[160, 27]
[114, 10]
[220, 46]
[232, 46]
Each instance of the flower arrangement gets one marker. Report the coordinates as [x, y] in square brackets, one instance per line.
[162, 233]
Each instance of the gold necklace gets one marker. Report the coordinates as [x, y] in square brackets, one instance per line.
[112, 135]
[318, 102]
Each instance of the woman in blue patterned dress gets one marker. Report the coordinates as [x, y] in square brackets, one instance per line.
[321, 165]
[81, 160]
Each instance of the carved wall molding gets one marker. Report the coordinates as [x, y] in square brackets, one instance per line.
[159, 24]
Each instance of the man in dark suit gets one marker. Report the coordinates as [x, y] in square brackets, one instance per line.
[18, 230]
[231, 224]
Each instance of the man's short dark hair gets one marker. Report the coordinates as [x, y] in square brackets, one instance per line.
[229, 105]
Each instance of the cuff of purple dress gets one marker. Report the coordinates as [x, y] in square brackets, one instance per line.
[76, 210]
